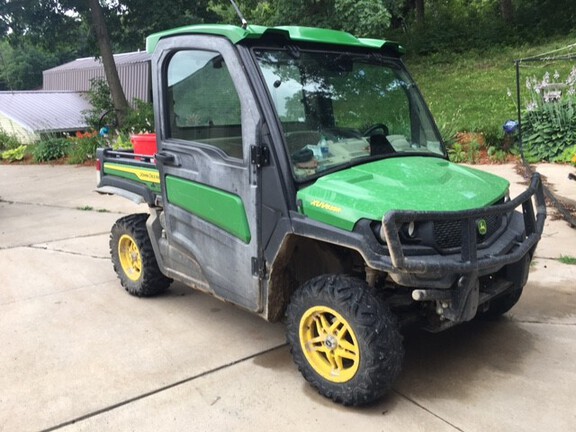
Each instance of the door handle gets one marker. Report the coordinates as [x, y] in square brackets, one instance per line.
[165, 158]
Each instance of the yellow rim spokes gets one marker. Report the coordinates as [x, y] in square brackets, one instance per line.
[329, 344]
[130, 257]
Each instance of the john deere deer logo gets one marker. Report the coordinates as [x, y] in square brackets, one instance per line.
[482, 227]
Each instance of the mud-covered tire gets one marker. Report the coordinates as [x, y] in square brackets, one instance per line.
[133, 257]
[344, 339]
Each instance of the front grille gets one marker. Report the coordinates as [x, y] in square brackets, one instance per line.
[448, 234]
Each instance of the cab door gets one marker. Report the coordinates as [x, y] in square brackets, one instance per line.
[206, 120]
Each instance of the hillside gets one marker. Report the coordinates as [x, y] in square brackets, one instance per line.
[475, 91]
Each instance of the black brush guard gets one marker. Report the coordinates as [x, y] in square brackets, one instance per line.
[515, 247]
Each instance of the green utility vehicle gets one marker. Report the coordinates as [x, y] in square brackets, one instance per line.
[299, 175]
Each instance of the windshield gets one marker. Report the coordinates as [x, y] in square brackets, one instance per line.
[340, 109]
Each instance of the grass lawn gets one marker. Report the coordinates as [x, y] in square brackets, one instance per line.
[469, 91]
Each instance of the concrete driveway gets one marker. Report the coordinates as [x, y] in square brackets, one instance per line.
[77, 353]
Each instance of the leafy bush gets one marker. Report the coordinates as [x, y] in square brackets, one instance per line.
[456, 153]
[8, 141]
[497, 154]
[139, 118]
[448, 128]
[550, 117]
[83, 147]
[50, 149]
[568, 156]
[101, 101]
[15, 154]
[122, 142]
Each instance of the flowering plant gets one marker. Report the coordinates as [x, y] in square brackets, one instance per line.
[82, 146]
[549, 128]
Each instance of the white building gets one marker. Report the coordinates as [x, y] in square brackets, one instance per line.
[60, 105]
[27, 114]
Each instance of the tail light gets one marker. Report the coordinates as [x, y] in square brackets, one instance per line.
[98, 171]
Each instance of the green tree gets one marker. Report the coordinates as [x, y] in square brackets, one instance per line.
[21, 68]
[51, 22]
[255, 12]
[507, 11]
[360, 17]
[364, 18]
[137, 19]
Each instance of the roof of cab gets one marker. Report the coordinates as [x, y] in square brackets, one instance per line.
[299, 34]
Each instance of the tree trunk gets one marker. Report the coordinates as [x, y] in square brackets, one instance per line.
[507, 11]
[419, 6]
[105, 47]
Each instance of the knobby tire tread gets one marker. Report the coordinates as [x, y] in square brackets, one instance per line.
[153, 281]
[376, 329]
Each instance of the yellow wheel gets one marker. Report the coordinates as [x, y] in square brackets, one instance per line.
[344, 339]
[329, 344]
[133, 257]
[130, 258]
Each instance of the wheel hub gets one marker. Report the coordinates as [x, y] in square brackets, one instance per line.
[130, 258]
[329, 344]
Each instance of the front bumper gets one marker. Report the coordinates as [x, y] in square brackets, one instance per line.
[454, 280]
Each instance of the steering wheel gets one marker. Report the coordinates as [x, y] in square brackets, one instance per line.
[374, 127]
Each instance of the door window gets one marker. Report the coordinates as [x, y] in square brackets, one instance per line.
[203, 104]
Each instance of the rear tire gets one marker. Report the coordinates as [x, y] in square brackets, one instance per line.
[344, 339]
[133, 257]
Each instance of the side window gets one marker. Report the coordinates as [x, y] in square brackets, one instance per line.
[203, 104]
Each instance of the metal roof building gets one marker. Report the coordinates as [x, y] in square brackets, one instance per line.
[133, 69]
[26, 114]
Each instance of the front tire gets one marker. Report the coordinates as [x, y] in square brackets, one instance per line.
[344, 339]
[133, 257]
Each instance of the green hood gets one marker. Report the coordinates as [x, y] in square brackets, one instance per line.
[403, 183]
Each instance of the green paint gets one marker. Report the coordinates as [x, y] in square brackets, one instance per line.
[220, 208]
[147, 176]
[294, 33]
[403, 183]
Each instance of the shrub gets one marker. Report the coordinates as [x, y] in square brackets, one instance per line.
[15, 154]
[83, 147]
[122, 142]
[50, 149]
[567, 156]
[101, 101]
[550, 117]
[497, 155]
[7, 141]
[456, 153]
[449, 129]
[139, 119]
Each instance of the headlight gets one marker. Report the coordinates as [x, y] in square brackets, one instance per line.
[409, 229]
